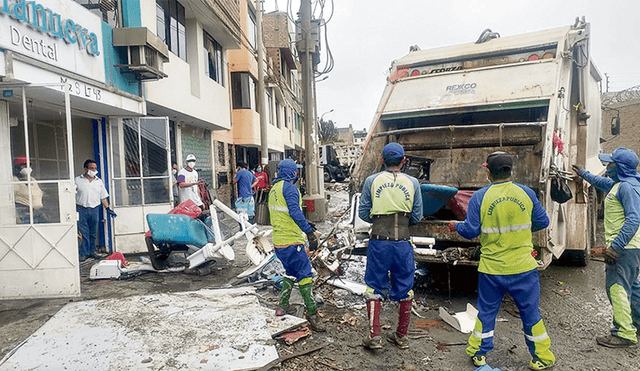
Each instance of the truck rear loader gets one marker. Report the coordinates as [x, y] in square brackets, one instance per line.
[535, 96]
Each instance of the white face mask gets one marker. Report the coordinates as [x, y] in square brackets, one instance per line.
[26, 171]
[174, 171]
[191, 164]
[92, 173]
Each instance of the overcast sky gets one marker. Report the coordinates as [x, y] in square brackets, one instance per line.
[365, 36]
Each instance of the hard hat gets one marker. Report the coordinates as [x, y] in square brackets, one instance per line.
[191, 157]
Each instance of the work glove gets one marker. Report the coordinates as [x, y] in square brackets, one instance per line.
[314, 239]
[577, 169]
[452, 226]
[611, 256]
[112, 213]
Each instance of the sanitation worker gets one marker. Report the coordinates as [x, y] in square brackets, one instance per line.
[504, 214]
[391, 200]
[289, 229]
[622, 254]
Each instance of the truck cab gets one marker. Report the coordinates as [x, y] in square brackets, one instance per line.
[332, 168]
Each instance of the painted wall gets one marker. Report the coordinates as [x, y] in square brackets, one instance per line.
[114, 56]
[191, 93]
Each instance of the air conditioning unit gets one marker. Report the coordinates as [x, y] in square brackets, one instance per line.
[146, 53]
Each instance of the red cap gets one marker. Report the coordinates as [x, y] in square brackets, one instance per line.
[20, 160]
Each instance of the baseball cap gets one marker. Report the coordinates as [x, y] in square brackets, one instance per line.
[498, 162]
[191, 157]
[392, 151]
[20, 160]
[620, 155]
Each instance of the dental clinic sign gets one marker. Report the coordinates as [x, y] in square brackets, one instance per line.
[57, 32]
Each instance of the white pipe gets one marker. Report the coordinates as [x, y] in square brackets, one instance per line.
[428, 241]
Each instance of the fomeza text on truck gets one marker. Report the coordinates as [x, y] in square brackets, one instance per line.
[535, 96]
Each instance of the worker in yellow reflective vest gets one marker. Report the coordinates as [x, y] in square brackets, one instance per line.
[289, 229]
[390, 200]
[622, 235]
[504, 214]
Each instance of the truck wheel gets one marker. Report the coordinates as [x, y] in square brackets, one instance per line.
[327, 176]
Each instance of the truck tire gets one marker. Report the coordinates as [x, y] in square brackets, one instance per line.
[327, 175]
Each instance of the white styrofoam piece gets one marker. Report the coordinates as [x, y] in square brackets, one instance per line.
[354, 287]
[152, 332]
[461, 321]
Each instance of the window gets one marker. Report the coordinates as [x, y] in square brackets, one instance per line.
[140, 173]
[213, 64]
[243, 91]
[285, 117]
[170, 23]
[252, 33]
[270, 105]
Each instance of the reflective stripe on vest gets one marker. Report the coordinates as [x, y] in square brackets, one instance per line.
[505, 216]
[391, 192]
[285, 230]
[509, 228]
[614, 219]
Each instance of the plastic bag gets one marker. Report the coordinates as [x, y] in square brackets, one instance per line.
[560, 191]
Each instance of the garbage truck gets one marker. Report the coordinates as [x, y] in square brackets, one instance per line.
[535, 96]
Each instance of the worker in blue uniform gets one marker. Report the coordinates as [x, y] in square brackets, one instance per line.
[504, 214]
[622, 254]
[391, 200]
[289, 229]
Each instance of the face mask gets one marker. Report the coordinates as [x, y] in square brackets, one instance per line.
[92, 173]
[259, 170]
[191, 164]
[612, 172]
[26, 171]
[174, 171]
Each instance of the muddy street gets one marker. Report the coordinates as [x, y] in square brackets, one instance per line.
[573, 304]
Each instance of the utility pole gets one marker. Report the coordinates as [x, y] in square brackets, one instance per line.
[313, 200]
[264, 110]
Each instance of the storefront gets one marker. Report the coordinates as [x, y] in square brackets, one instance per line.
[62, 102]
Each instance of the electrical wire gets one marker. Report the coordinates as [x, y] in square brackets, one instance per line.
[317, 13]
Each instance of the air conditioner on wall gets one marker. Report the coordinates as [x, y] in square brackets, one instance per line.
[146, 53]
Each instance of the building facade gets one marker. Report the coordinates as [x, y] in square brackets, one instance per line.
[134, 88]
[282, 103]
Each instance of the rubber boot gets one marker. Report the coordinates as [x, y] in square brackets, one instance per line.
[373, 340]
[285, 294]
[312, 308]
[404, 317]
[399, 338]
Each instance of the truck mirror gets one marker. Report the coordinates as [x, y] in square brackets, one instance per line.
[615, 125]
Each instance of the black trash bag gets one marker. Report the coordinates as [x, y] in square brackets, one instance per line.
[560, 191]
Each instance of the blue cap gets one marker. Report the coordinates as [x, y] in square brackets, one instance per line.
[621, 156]
[392, 151]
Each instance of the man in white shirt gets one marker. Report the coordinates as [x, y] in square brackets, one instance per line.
[188, 182]
[90, 193]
